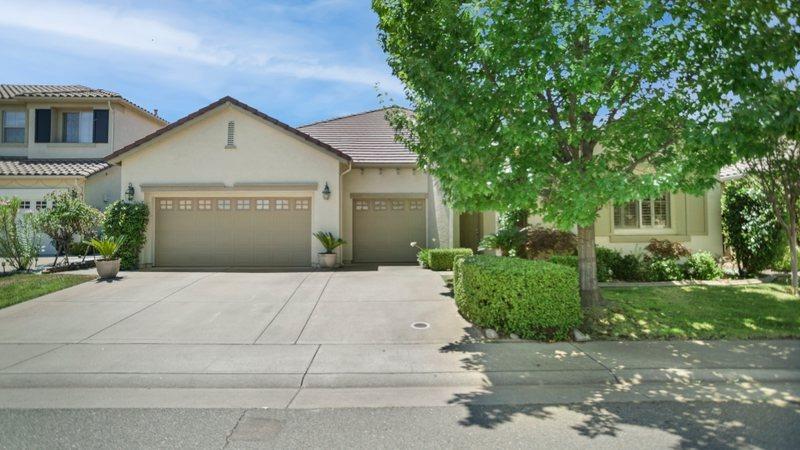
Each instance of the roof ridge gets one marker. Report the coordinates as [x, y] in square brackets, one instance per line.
[347, 116]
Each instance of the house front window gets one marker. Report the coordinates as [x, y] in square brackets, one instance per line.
[13, 127]
[645, 213]
[77, 127]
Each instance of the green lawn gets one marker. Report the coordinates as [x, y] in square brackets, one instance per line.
[18, 288]
[700, 312]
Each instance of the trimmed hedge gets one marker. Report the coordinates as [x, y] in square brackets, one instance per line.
[531, 298]
[702, 266]
[127, 220]
[443, 258]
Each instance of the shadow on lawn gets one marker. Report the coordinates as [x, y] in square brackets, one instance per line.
[690, 410]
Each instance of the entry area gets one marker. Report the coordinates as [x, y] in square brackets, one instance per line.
[233, 231]
[383, 228]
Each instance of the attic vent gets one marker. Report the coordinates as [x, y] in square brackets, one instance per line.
[231, 130]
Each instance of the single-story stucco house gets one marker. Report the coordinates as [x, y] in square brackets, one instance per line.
[228, 185]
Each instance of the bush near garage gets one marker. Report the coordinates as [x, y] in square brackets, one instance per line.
[127, 220]
[534, 299]
[423, 258]
[443, 258]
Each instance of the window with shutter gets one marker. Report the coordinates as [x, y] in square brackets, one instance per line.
[645, 213]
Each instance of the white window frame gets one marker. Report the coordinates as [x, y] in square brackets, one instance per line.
[3, 127]
[640, 225]
[85, 126]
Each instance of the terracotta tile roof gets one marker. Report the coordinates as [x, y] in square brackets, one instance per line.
[64, 91]
[211, 107]
[50, 167]
[367, 137]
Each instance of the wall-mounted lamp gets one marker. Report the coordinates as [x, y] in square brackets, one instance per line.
[130, 192]
[326, 191]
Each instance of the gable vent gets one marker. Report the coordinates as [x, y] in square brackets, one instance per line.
[231, 133]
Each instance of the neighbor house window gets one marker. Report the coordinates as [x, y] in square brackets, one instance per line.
[77, 127]
[13, 127]
[41, 204]
[25, 204]
[646, 213]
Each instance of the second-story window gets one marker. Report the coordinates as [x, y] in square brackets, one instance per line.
[13, 127]
[77, 127]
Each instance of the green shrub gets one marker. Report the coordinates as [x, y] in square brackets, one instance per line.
[663, 270]
[19, 239]
[531, 298]
[785, 263]
[67, 218]
[565, 260]
[423, 257]
[630, 267]
[750, 228]
[507, 240]
[127, 220]
[107, 247]
[78, 248]
[608, 260]
[702, 266]
[544, 242]
[443, 258]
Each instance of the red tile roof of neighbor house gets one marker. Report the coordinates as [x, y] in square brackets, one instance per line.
[51, 167]
[366, 137]
[215, 105]
[65, 91]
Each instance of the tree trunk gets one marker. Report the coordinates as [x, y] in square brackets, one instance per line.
[587, 269]
[793, 254]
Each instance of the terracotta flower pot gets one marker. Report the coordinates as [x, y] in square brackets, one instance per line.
[107, 268]
[327, 260]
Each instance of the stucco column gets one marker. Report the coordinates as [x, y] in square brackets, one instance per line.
[442, 216]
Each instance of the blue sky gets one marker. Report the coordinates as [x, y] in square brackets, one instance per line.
[299, 61]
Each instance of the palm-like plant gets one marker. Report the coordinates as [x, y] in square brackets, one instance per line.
[506, 240]
[107, 246]
[329, 241]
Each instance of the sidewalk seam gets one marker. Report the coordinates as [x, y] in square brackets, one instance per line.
[319, 297]
[142, 309]
[288, 299]
[588, 355]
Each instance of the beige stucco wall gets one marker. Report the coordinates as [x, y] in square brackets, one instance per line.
[397, 180]
[695, 222]
[129, 125]
[103, 188]
[195, 153]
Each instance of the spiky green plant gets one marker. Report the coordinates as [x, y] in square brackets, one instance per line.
[329, 241]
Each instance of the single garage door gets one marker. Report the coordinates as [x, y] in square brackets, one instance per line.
[245, 232]
[383, 228]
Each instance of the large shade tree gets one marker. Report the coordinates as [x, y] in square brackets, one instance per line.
[556, 107]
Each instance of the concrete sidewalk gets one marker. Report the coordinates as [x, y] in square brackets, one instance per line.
[315, 376]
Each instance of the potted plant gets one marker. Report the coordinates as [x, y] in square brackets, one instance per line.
[108, 265]
[327, 259]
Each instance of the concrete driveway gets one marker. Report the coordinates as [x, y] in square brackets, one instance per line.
[325, 339]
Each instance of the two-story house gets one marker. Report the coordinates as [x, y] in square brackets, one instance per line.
[55, 137]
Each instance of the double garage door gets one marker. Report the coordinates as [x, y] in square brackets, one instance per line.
[383, 229]
[236, 231]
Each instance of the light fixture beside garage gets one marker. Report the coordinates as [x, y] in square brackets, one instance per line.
[130, 192]
[326, 191]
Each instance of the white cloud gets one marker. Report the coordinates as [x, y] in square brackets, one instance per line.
[211, 43]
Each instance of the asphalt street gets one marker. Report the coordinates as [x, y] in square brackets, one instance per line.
[603, 425]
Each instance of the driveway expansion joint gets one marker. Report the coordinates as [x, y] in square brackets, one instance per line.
[588, 355]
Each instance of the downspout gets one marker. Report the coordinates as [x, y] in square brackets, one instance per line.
[341, 206]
